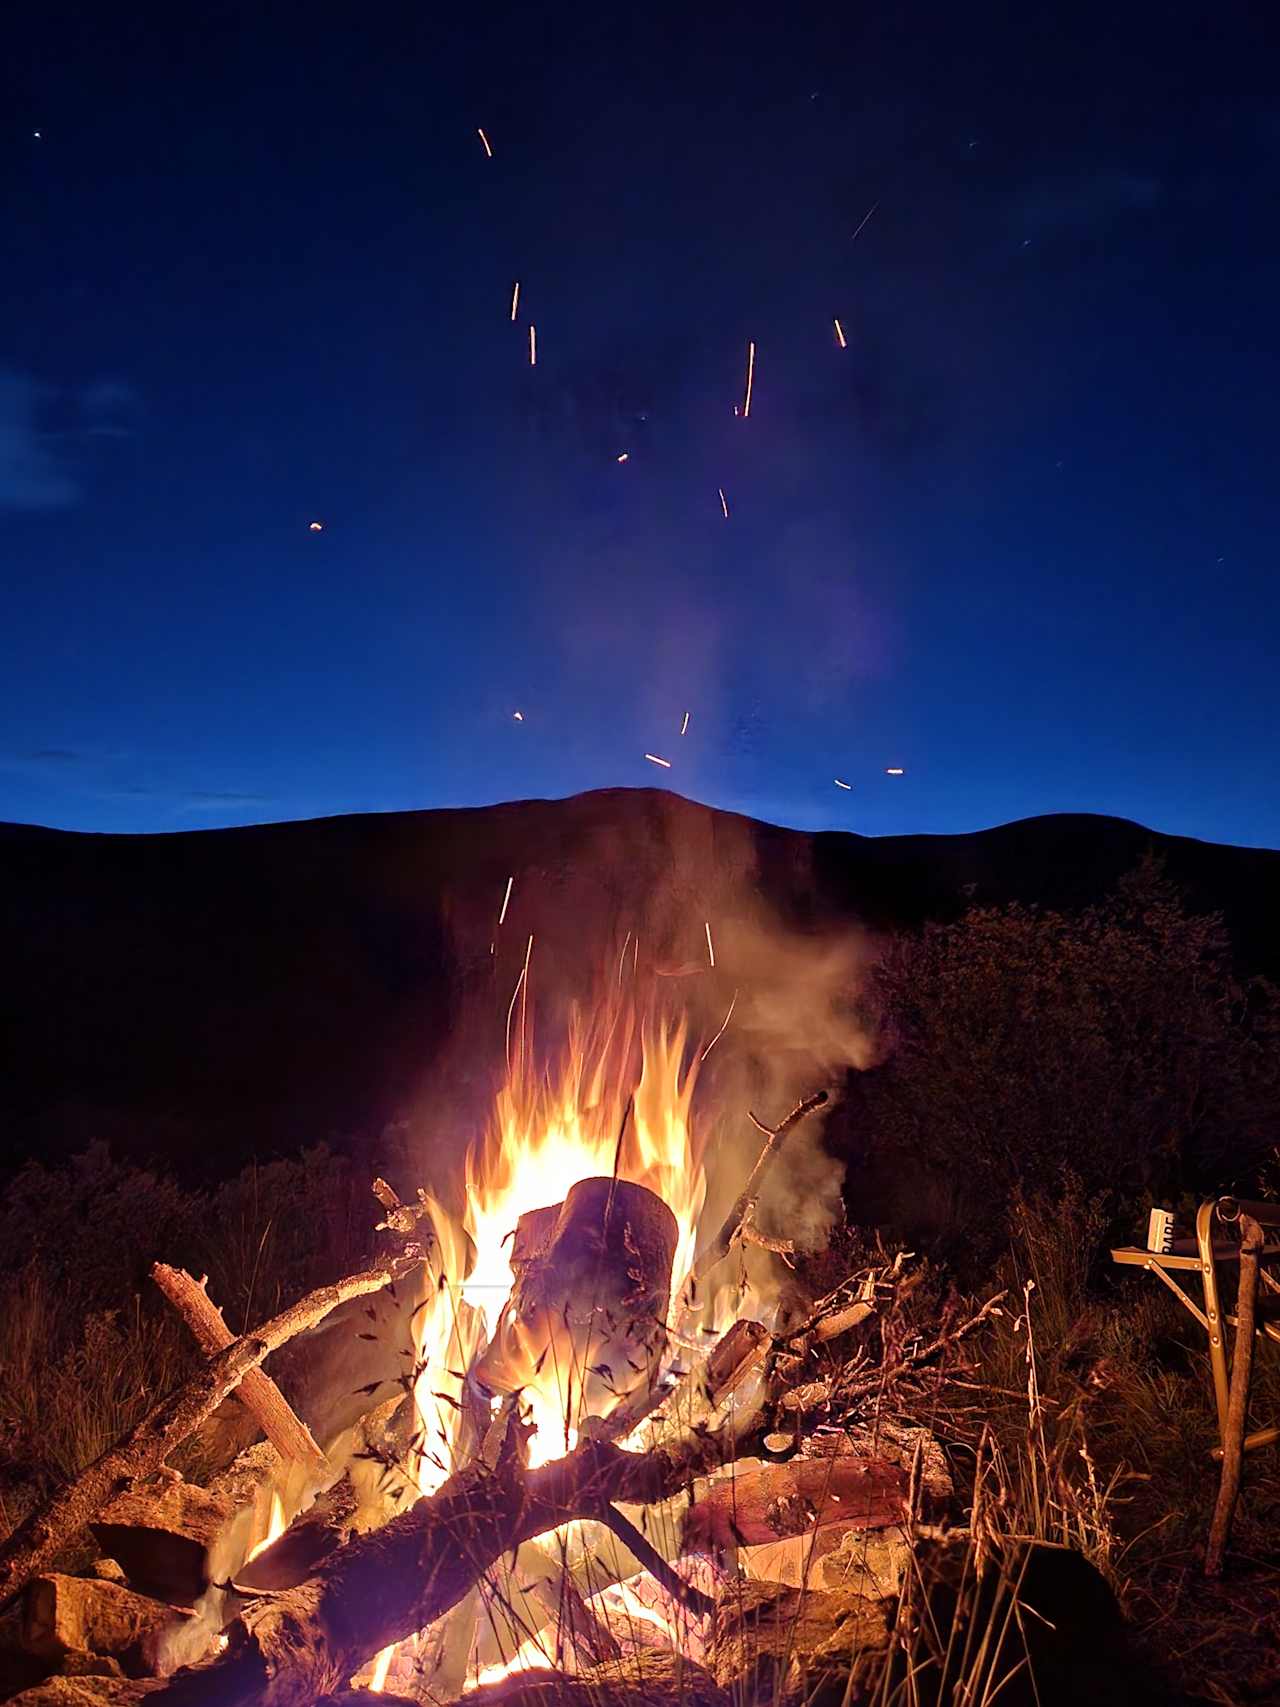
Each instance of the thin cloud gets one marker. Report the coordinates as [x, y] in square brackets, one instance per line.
[32, 473]
[213, 800]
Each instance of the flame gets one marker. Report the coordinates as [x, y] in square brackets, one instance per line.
[276, 1527]
[620, 1105]
[595, 1121]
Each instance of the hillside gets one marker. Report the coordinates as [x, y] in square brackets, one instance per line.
[215, 993]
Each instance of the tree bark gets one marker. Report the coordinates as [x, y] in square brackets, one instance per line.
[286, 1650]
[1251, 1242]
[140, 1452]
[258, 1393]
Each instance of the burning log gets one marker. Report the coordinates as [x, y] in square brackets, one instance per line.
[39, 1536]
[258, 1393]
[285, 1650]
[592, 1288]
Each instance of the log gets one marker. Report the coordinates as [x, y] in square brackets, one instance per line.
[590, 1297]
[1252, 1239]
[43, 1531]
[286, 1650]
[258, 1393]
[781, 1500]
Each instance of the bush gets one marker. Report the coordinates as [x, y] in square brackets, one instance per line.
[1117, 1043]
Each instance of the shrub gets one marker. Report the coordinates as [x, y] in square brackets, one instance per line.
[1117, 1043]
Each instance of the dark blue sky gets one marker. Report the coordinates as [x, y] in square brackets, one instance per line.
[1019, 537]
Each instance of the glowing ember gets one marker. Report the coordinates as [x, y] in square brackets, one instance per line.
[515, 298]
[316, 527]
[518, 716]
[840, 783]
[724, 502]
[505, 899]
[751, 371]
[895, 770]
[485, 140]
[840, 335]
[684, 727]
[655, 760]
[711, 953]
[625, 457]
[533, 345]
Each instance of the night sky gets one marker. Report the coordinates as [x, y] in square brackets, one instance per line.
[1019, 538]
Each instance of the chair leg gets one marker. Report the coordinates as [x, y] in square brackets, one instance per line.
[1251, 1241]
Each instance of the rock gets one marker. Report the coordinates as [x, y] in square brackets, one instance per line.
[86, 1692]
[107, 1571]
[62, 1615]
[862, 1561]
[162, 1534]
[76, 1663]
[774, 1643]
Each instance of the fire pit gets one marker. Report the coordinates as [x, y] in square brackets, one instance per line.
[591, 1442]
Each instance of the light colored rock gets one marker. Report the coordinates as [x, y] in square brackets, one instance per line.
[62, 1615]
[161, 1533]
[107, 1571]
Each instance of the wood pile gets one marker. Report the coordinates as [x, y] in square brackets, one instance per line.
[753, 1539]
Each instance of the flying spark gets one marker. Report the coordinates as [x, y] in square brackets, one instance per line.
[895, 770]
[485, 140]
[732, 1005]
[655, 760]
[521, 983]
[751, 370]
[316, 527]
[840, 335]
[840, 784]
[711, 953]
[515, 298]
[685, 724]
[724, 502]
[505, 899]
[866, 216]
[625, 457]
[518, 715]
[533, 345]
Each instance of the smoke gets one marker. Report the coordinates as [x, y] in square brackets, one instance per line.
[794, 1030]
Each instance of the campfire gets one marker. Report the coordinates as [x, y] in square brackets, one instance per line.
[609, 1455]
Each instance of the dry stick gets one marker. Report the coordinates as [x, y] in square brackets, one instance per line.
[649, 1558]
[258, 1393]
[739, 1216]
[146, 1446]
[816, 1393]
[1251, 1242]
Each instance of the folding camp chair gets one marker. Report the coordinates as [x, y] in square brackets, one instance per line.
[1204, 1255]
